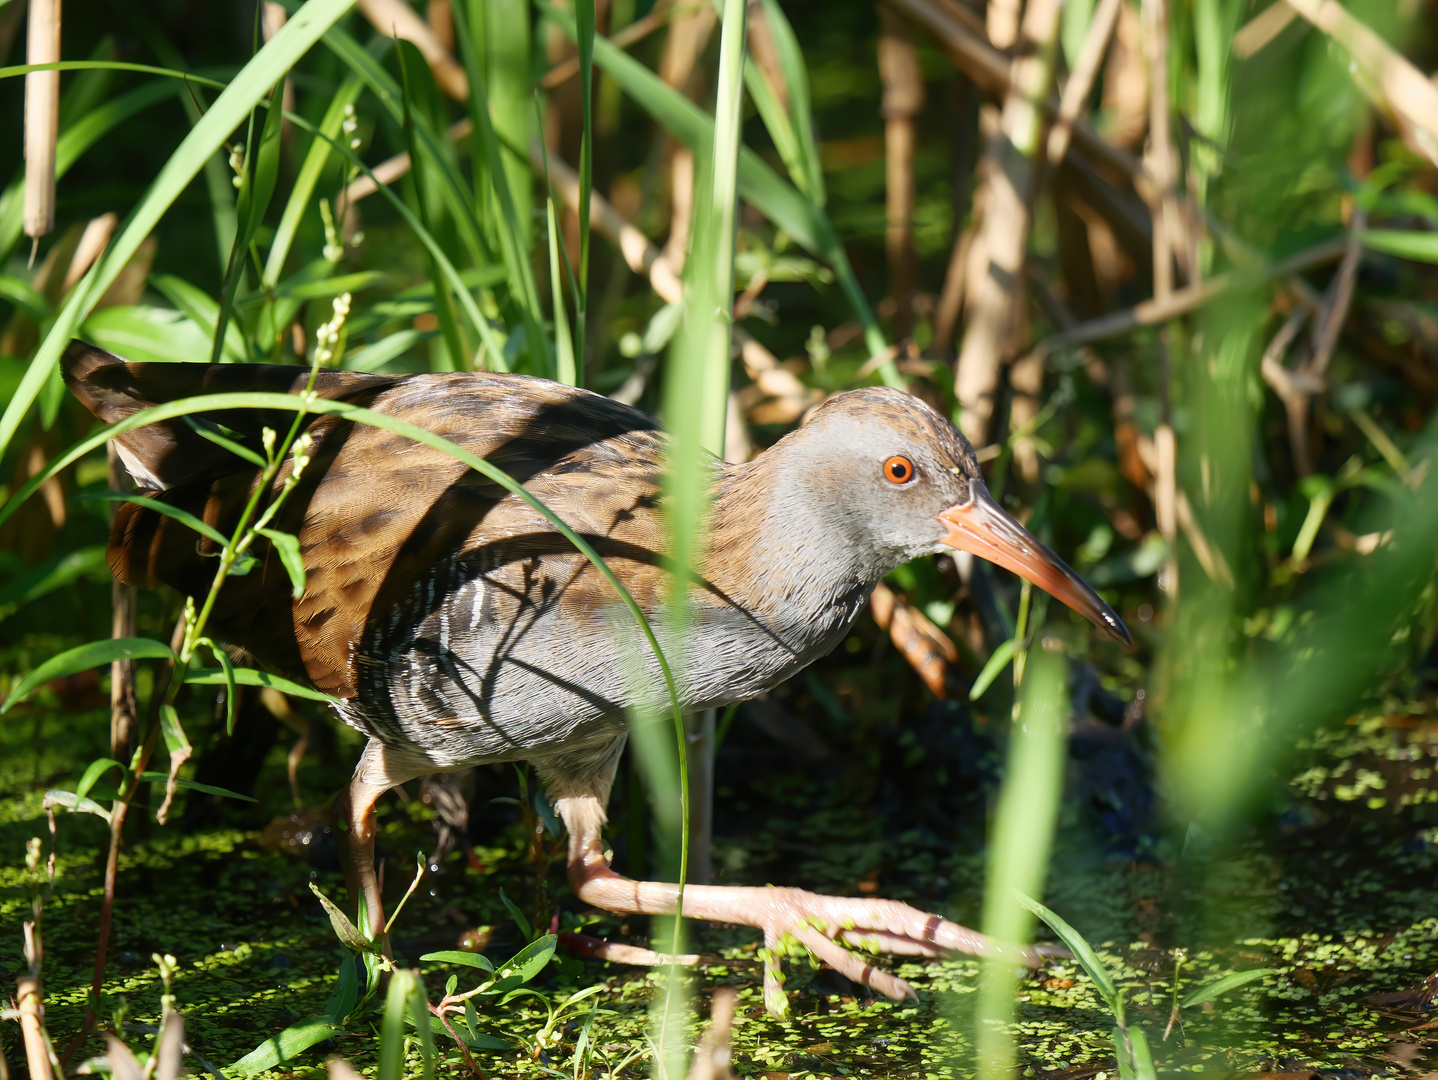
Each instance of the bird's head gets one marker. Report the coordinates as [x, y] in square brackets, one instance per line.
[899, 480]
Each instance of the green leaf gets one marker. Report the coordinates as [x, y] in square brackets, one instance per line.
[82, 658]
[92, 774]
[1418, 246]
[140, 333]
[227, 669]
[1120, 1046]
[288, 548]
[1142, 1057]
[286, 1046]
[163, 508]
[23, 296]
[454, 956]
[391, 1032]
[211, 431]
[474, 1039]
[35, 582]
[316, 158]
[530, 960]
[342, 1001]
[194, 785]
[518, 916]
[1224, 985]
[254, 677]
[202, 310]
[345, 930]
[1081, 949]
[997, 662]
[267, 67]
[374, 356]
[70, 801]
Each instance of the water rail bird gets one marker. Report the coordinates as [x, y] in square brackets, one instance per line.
[454, 625]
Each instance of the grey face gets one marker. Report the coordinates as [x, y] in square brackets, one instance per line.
[899, 480]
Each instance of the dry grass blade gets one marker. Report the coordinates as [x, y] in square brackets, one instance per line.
[646, 260]
[988, 68]
[1391, 80]
[123, 1065]
[42, 117]
[1182, 301]
[1076, 92]
[632, 34]
[93, 242]
[396, 19]
[927, 648]
[1260, 30]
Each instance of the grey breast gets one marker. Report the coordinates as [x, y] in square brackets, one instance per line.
[480, 663]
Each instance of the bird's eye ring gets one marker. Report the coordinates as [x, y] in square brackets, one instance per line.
[899, 470]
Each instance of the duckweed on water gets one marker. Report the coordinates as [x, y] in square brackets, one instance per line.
[1349, 914]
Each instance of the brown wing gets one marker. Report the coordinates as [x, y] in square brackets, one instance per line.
[374, 512]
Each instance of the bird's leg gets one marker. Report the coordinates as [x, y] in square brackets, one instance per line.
[353, 812]
[819, 923]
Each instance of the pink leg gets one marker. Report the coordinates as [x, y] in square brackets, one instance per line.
[816, 922]
[353, 812]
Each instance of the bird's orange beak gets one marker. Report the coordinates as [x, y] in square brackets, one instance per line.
[983, 527]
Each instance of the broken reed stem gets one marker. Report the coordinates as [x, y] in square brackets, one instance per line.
[1296, 387]
[635, 32]
[1010, 184]
[42, 117]
[903, 99]
[1182, 301]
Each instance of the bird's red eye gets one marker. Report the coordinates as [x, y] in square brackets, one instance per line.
[898, 470]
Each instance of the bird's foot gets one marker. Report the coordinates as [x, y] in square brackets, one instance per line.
[790, 918]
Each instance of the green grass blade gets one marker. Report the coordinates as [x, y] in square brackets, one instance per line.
[303, 191]
[507, 96]
[391, 1032]
[447, 268]
[584, 25]
[293, 403]
[801, 115]
[108, 65]
[1219, 987]
[175, 512]
[82, 658]
[391, 98]
[411, 60]
[774, 197]
[268, 65]
[200, 308]
[997, 662]
[1019, 845]
[512, 199]
[1082, 950]
[565, 370]
[254, 677]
